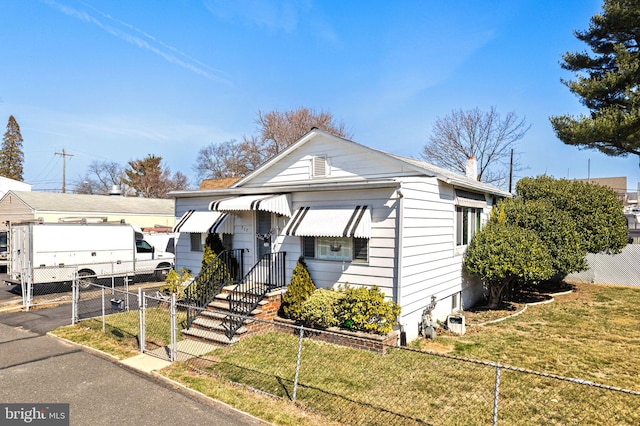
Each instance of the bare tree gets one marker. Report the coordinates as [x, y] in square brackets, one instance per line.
[276, 131]
[480, 134]
[280, 129]
[225, 159]
[100, 177]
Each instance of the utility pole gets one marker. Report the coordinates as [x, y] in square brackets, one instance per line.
[64, 168]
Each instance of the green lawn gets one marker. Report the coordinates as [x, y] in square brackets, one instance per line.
[590, 334]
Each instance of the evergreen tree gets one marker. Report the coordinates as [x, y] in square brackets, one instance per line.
[11, 155]
[607, 82]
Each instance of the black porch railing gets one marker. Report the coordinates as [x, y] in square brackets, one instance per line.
[226, 269]
[265, 276]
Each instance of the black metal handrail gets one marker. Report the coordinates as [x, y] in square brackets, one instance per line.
[226, 269]
[265, 276]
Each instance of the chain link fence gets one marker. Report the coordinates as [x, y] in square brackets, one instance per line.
[53, 285]
[380, 384]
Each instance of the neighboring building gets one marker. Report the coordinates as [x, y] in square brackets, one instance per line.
[357, 215]
[218, 183]
[24, 206]
[617, 184]
[7, 184]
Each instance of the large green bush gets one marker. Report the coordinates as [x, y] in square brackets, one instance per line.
[319, 310]
[299, 290]
[365, 309]
[556, 229]
[595, 209]
[504, 255]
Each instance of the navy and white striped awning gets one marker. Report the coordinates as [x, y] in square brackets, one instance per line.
[204, 222]
[330, 222]
[275, 203]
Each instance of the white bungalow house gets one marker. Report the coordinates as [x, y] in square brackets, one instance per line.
[358, 215]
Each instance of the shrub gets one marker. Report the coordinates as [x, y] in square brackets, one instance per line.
[365, 309]
[176, 282]
[319, 310]
[299, 290]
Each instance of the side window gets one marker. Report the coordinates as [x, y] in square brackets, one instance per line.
[196, 242]
[468, 221]
[143, 247]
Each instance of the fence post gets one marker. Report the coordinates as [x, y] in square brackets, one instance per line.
[141, 318]
[174, 329]
[103, 316]
[126, 290]
[74, 301]
[496, 396]
[295, 380]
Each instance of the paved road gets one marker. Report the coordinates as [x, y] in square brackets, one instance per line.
[38, 368]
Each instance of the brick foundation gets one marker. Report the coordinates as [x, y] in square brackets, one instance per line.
[357, 340]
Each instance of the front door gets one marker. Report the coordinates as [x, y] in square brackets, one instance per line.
[263, 231]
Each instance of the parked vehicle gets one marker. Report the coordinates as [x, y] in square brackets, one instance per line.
[3, 251]
[56, 252]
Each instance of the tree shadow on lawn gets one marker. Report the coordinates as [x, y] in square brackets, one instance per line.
[516, 301]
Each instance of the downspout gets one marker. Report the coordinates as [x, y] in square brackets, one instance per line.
[399, 244]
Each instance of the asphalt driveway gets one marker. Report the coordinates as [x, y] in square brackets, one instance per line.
[38, 368]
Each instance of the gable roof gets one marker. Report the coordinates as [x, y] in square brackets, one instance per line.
[420, 167]
[79, 203]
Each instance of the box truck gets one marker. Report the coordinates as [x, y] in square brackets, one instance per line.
[56, 252]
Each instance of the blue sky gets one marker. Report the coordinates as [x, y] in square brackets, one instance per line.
[115, 81]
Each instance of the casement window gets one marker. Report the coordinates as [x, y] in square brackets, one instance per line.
[334, 248]
[468, 221]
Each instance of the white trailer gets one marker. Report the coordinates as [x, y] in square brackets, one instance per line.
[57, 252]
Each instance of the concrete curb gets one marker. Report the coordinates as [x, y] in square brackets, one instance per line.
[544, 302]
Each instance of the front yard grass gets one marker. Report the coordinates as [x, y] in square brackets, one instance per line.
[591, 333]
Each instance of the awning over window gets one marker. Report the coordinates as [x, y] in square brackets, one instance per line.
[470, 199]
[205, 222]
[330, 222]
[275, 203]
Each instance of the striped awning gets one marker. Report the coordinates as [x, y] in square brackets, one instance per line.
[275, 203]
[330, 222]
[204, 222]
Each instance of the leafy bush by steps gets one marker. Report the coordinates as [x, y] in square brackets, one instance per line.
[319, 310]
[299, 290]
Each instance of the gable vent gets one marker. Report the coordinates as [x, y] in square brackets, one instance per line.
[319, 166]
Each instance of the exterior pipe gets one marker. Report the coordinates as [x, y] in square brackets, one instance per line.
[399, 242]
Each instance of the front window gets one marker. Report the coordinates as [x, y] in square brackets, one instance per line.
[468, 220]
[336, 248]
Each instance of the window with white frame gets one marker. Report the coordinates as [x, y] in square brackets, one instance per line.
[468, 221]
[336, 248]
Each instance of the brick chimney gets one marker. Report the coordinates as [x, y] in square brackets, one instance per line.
[472, 168]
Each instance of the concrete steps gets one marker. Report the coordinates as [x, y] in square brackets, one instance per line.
[209, 327]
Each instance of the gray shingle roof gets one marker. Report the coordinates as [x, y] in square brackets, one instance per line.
[78, 203]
